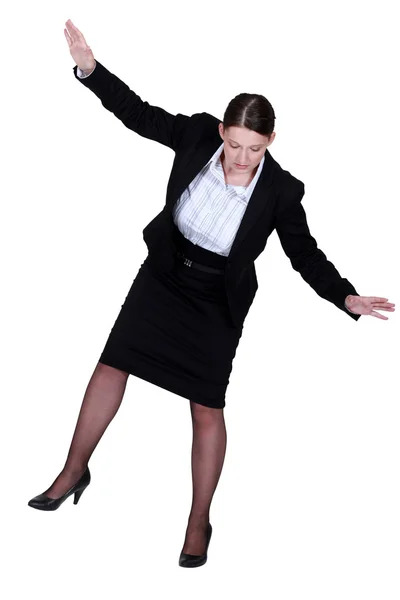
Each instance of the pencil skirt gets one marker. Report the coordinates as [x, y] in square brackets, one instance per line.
[174, 329]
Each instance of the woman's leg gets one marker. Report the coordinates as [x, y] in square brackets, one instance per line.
[208, 453]
[101, 401]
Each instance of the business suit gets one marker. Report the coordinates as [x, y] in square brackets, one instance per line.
[275, 202]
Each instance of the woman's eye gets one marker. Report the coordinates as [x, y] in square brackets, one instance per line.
[238, 147]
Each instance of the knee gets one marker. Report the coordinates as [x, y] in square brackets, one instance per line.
[111, 371]
[204, 414]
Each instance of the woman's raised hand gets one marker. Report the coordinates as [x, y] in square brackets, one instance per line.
[79, 50]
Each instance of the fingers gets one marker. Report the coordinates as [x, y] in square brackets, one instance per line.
[74, 32]
[68, 38]
[380, 302]
[375, 314]
[379, 306]
[70, 29]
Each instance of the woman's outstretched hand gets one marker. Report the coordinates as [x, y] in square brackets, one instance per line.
[365, 305]
[79, 50]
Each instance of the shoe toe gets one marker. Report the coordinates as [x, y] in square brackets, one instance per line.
[192, 560]
[42, 502]
[37, 500]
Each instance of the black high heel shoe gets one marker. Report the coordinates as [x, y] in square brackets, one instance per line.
[196, 560]
[43, 502]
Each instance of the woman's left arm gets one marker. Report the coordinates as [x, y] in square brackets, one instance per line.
[302, 250]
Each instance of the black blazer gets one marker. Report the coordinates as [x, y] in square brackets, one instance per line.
[274, 204]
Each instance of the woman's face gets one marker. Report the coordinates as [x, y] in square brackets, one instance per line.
[243, 146]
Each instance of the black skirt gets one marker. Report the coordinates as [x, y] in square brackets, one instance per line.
[174, 329]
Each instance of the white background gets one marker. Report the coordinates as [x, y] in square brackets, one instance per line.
[308, 500]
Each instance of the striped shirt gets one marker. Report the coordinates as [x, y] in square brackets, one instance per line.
[209, 211]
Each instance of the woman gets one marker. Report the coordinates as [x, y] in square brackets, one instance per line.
[182, 319]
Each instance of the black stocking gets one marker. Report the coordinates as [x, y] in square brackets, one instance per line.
[102, 399]
[208, 454]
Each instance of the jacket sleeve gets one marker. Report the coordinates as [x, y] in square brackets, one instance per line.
[302, 250]
[144, 119]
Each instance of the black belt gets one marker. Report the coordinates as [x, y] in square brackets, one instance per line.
[191, 263]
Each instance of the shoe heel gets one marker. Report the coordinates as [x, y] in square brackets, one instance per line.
[77, 495]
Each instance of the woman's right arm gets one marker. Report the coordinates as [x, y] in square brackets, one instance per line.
[148, 121]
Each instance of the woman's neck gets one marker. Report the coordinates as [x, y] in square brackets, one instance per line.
[235, 178]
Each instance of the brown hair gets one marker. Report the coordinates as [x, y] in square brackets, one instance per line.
[252, 111]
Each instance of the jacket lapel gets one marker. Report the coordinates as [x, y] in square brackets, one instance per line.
[261, 200]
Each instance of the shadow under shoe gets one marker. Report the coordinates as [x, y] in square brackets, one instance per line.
[195, 560]
[43, 502]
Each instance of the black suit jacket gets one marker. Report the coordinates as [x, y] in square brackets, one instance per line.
[274, 204]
